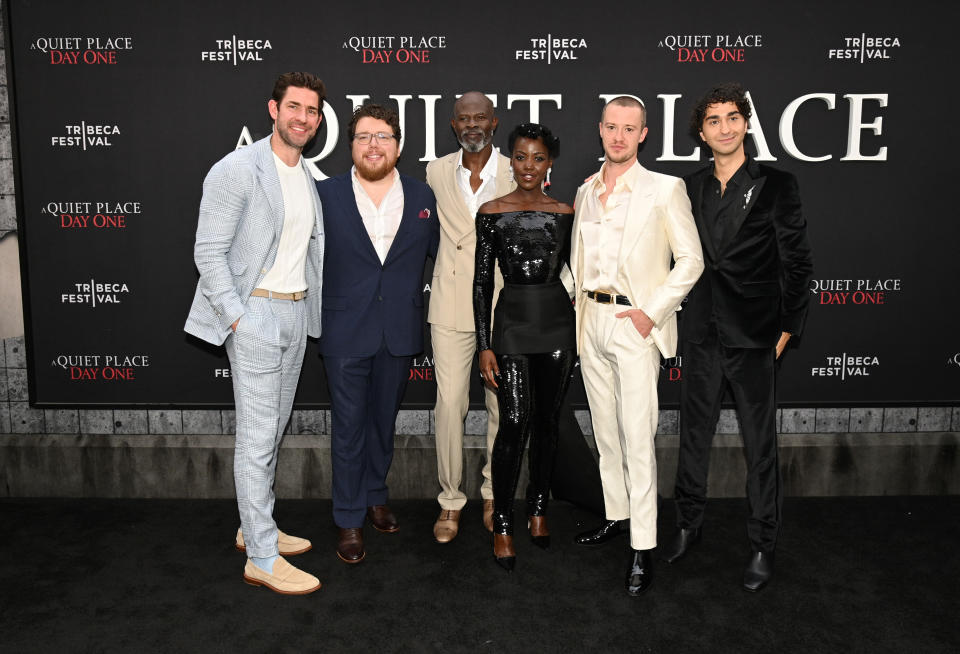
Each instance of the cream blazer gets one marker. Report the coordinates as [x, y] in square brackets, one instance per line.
[659, 227]
[451, 289]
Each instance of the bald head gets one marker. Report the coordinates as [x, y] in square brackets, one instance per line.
[474, 121]
[472, 100]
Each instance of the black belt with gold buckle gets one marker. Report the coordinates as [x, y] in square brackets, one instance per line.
[608, 298]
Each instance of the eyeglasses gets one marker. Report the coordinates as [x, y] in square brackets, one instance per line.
[364, 137]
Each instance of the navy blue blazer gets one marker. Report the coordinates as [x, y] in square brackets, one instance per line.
[366, 302]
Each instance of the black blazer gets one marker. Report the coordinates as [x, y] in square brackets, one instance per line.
[366, 302]
[755, 284]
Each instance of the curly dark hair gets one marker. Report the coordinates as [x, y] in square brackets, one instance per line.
[378, 111]
[300, 80]
[535, 131]
[727, 92]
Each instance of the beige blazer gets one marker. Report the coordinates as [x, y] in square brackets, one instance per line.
[451, 290]
[659, 227]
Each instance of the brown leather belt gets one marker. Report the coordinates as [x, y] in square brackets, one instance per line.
[603, 297]
[262, 292]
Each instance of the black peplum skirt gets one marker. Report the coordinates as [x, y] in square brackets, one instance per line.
[533, 318]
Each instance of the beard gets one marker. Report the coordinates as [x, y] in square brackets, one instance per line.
[293, 139]
[374, 173]
[474, 146]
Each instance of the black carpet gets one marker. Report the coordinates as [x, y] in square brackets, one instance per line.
[853, 575]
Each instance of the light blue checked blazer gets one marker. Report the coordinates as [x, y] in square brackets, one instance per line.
[241, 218]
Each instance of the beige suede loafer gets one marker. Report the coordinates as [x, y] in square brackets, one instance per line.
[285, 579]
[446, 527]
[287, 545]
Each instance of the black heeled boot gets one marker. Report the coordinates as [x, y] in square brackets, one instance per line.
[503, 551]
[537, 523]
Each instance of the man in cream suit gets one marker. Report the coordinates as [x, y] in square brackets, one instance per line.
[259, 250]
[461, 182]
[629, 223]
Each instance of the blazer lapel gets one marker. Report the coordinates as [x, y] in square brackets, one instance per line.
[697, 194]
[451, 188]
[638, 213]
[270, 182]
[741, 208]
[406, 221]
[353, 219]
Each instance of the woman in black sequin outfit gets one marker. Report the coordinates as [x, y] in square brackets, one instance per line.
[532, 348]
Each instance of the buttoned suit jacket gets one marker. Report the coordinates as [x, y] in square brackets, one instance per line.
[756, 281]
[241, 219]
[451, 288]
[366, 302]
[659, 227]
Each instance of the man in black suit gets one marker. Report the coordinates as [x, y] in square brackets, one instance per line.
[748, 304]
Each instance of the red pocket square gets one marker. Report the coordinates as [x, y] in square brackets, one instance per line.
[424, 213]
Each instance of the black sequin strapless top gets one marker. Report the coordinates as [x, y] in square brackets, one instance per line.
[534, 313]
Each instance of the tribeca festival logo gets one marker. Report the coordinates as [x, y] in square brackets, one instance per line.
[718, 48]
[236, 50]
[385, 49]
[846, 365]
[854, 291]
[94, 293]
[101, 367]
[551, 49]
[90, 50]
[85, 136]
[865, 48]
[92, 215]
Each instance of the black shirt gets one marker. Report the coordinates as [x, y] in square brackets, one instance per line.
[715, 207]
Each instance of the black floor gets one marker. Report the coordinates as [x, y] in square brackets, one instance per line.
[853, 575]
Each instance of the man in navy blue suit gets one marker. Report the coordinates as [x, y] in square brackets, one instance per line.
[380, 228]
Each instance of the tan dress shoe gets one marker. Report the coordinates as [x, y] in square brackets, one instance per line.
[446, 527]
[288, 545]
[488, 514]
[285, 579]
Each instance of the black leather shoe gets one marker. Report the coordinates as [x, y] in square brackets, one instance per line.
[350, 545]
[758, 572]
[600, 535]
[640, 573]
[683, 541]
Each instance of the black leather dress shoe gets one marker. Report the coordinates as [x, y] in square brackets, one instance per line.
[640, 573]
[683, 541]
[600, 535]
[758, 572]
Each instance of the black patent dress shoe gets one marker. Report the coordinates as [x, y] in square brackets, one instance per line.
[683, 541]
[600, 535]
[640, 573]
[758, 572]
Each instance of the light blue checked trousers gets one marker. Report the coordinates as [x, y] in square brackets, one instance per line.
[265, 354]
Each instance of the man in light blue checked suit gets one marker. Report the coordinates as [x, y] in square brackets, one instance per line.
[259, 251]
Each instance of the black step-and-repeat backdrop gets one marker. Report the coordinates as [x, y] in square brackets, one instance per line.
[120, 109]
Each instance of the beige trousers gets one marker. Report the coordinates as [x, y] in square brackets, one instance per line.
[454, 353]
[620, 371]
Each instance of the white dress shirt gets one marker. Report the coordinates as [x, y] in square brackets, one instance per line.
[381, 222]
[288, 273]
[601, 229]
[488, 183]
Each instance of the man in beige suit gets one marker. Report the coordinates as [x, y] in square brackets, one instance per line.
[630, 223]
[461, 181]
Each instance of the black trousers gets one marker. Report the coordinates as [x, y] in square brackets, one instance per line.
[750, 373]
[530, 396]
